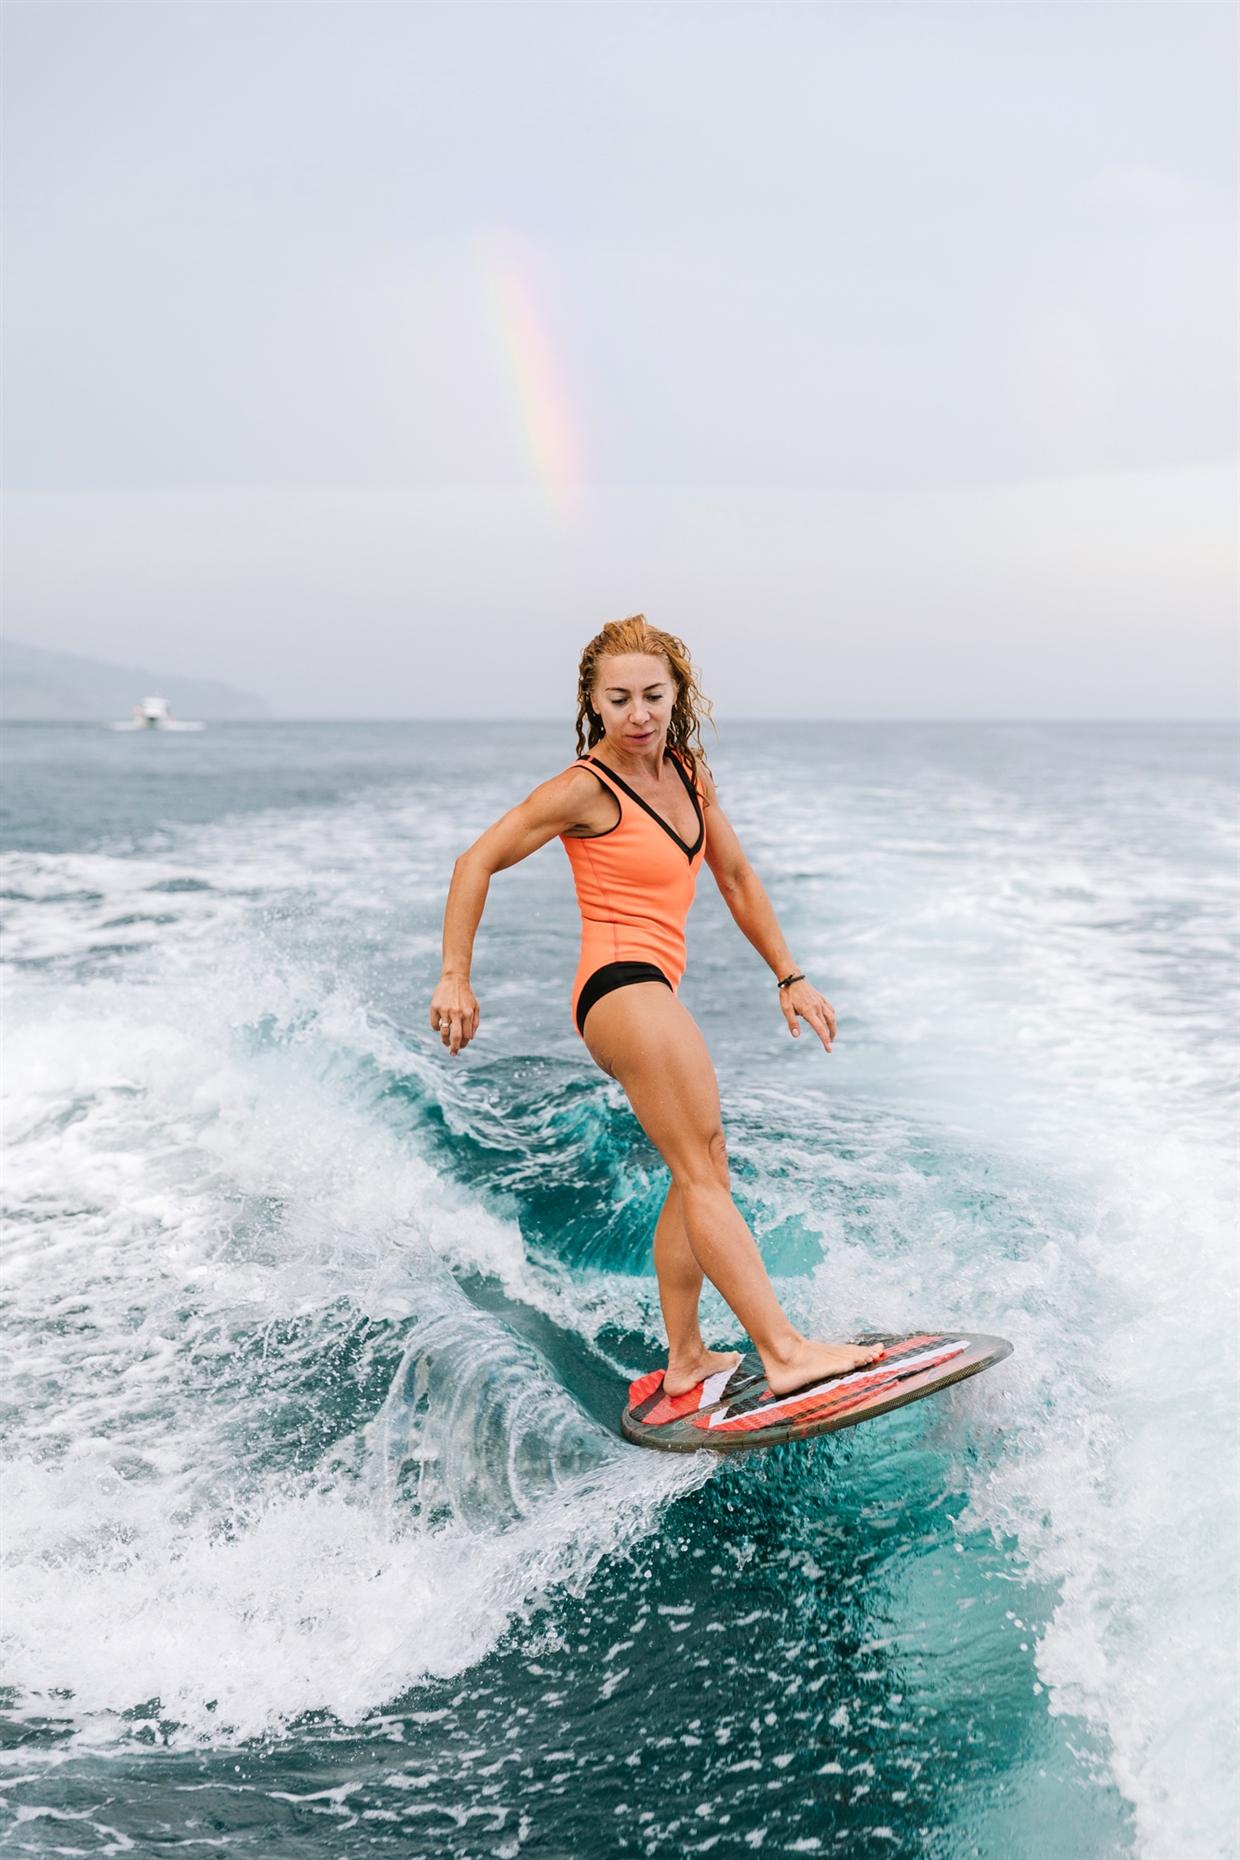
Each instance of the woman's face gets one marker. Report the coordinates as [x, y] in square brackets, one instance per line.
[634, 694]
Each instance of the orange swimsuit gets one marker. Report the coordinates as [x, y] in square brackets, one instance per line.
[635, 884]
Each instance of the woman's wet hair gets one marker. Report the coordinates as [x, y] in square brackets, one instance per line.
[689, 712]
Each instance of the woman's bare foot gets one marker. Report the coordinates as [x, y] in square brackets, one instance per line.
[813, 1362]
[680, 1377]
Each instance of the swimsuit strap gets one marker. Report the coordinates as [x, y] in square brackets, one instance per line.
[601, 770]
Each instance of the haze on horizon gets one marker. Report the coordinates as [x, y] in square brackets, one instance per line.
[370, 356]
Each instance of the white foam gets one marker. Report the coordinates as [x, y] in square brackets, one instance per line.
[1050, 980]
[198, 1171]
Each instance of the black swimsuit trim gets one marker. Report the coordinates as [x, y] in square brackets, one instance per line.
[611, 976]
[690, 852]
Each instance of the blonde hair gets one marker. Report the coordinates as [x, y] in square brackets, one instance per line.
[691, 709]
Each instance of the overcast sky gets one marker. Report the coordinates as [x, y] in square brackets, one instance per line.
[370, 356]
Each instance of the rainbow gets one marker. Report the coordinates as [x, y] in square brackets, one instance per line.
[551, 432]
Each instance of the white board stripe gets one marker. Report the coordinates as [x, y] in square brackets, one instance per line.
[713, 1386]
[940, 1353]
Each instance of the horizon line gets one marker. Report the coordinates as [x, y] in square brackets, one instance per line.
[1194, 717]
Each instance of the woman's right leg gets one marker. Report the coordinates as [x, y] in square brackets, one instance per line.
[645, 1038]
[680, 1293]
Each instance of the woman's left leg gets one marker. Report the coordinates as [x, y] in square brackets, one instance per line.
[643, 1037]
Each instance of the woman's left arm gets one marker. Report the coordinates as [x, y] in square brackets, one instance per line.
[755, 915]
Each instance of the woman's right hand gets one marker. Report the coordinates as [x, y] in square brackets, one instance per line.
[454, 1012]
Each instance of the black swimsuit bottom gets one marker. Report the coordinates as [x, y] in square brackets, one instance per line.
[611, 976]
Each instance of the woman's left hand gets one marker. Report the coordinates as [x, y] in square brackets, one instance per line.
[804, 999]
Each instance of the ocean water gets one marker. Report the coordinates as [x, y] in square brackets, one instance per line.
[320, 1537]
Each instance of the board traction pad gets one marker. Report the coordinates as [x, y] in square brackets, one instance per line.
[735, 1410]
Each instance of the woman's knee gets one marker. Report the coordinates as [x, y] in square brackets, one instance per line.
[717, 1149]
[705, 1163]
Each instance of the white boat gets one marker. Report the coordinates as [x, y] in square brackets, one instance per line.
[155, 713]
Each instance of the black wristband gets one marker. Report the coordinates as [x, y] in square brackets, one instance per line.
[789, 979]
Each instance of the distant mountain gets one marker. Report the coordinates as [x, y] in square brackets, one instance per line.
[61, 687]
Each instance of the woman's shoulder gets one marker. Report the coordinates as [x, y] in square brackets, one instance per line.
[585, 800]
[579, 774]
[575, 786]
[696, 771]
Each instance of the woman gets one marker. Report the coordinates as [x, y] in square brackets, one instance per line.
[637, 815]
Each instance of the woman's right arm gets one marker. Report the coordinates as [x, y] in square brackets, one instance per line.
[574, 801]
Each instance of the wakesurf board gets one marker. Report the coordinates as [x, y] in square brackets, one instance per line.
[736, 1411]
